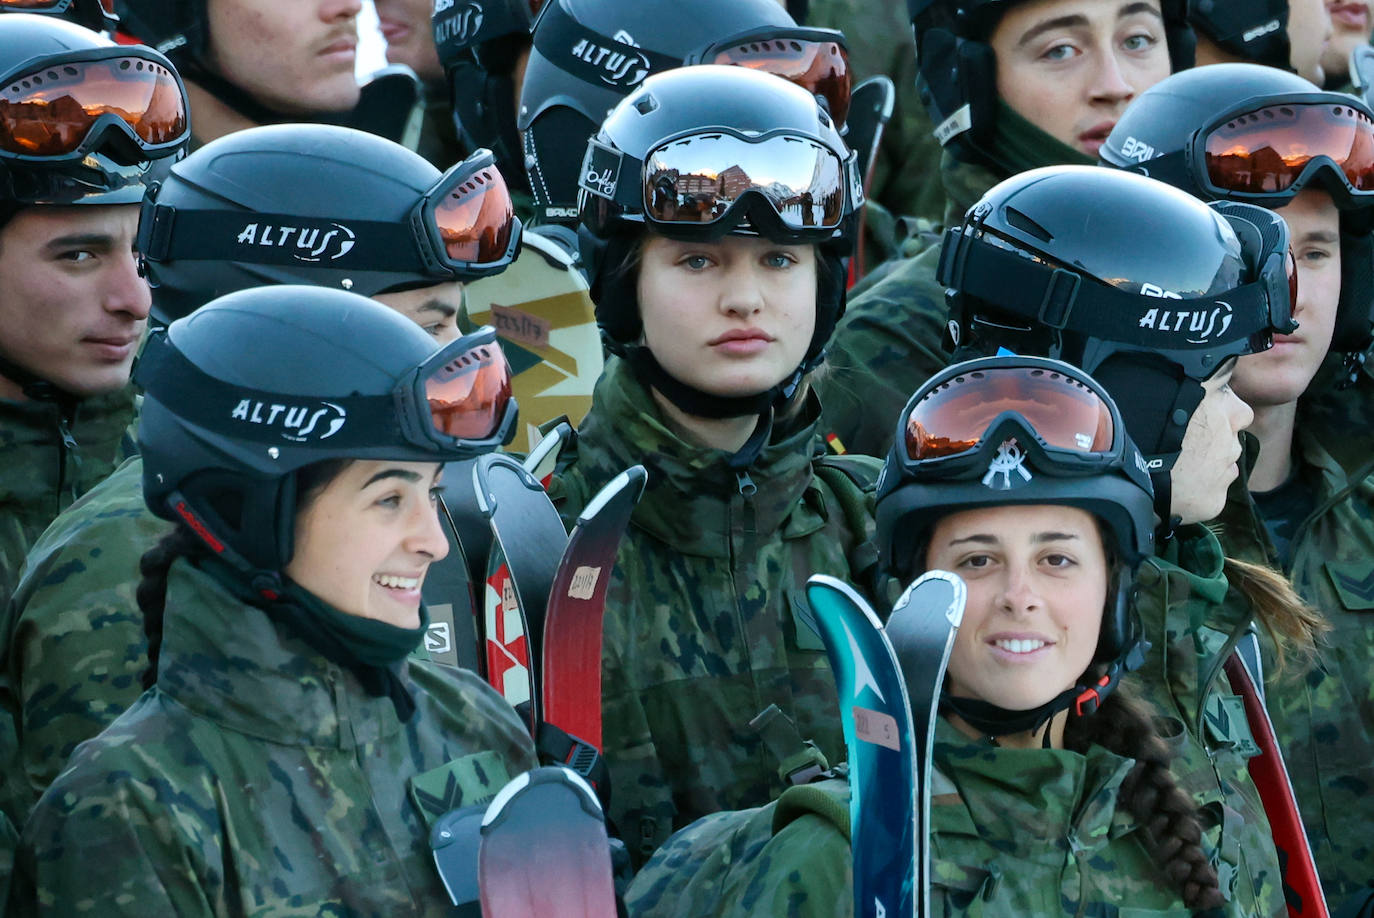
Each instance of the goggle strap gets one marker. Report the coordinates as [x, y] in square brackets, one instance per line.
[167, 233]
[591, 57]
[1047, 296]
[260, 416]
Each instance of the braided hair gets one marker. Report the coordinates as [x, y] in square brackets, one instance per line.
[1168, 817]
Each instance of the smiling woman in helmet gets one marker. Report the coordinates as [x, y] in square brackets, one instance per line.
[270, 765]
[1016, 474]
[717, 201]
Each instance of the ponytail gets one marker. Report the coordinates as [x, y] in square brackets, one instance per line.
[1291, 623]
[151, 594]
[1167, 816]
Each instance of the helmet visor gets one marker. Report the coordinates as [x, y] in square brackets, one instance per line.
[1061, 412]
[467, 389]
[1265, 151]
[470, 217]
[814, 59]
[696, 180]
[61, 110]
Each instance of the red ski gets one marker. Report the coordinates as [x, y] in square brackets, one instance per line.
[1302, 888]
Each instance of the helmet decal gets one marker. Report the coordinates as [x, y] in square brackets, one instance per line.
[1010, 458]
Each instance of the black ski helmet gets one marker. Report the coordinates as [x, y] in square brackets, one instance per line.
[174, 27]
[479, 42]
[1255, 30]
[1141, 285]
[707, 104]
[1029, 430]
[210, 227]
[957, 71]
[113, 162]
[1159, 132]
[96, 15]
[254, 386]
[588, 54]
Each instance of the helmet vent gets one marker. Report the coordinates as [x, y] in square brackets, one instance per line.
[1026, 225]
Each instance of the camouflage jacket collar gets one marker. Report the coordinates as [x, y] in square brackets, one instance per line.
[43, 464]
[693, 496]
[1026, 800]
[964, 183]
[226, 661]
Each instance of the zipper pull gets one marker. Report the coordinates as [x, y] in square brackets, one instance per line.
[747, 488]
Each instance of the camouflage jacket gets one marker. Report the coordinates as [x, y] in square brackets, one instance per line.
[1014, 832]
[890, 340]
[1182, 601]
[704, 621]
[48, 458]
[1324, 714]
[74, 647]
[257, 778]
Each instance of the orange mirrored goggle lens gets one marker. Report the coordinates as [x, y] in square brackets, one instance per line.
[954, 418]
[1264, 151]
[819, 67]
[468, 395]
[475, 218]
[50, 112]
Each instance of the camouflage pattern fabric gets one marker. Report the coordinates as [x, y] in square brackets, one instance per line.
[41, 471]
[1342, 420]
[890, 339]
[74, 648]
[704, 623]
[1182, 601]
[259, 779]
[1015, 832]
[1324, 714]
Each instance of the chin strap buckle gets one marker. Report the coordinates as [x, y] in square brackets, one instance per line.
[1089, 700]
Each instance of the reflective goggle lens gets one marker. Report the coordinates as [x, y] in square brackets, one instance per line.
[1264, 151]
[819, 67]
[697, 179]
[955, 417]
[468, 395]
[50, 112]
[475, 218]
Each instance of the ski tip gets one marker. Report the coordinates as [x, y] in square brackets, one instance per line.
[548, 774]
[630, 481]
[822, 589]
[938, 589]
[550, 442]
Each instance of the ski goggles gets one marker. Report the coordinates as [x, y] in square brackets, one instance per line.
[127, 99]
[456, 404]
[1197, 333]
[710, 182]
[960, 417]
[96, 15]
[817, 60]
[463, 228]
[1267, 154]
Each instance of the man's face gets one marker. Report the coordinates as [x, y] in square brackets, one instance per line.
[1309, 33]
[409, 38]
[1070, 67]
[294, 57]
[72, 306]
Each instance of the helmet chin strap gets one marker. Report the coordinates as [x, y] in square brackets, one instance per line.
[705, 404]
[34, 387]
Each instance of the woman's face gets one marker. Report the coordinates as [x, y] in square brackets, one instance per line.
[1206, 464]
[366, 539]
[1070, 67]
[732, 317]
[1037, 588]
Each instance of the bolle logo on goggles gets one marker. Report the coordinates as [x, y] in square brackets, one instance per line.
[305, 243]
[1197, 326]
[622, 69]
[460, 27]
[602, 171]
[297, 423]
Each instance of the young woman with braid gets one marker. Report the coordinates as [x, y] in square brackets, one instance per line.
[1052, 792]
